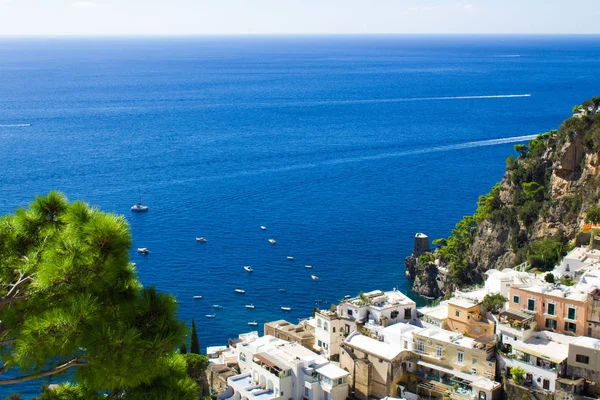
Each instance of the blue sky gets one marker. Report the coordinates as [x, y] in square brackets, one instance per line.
[184, 17]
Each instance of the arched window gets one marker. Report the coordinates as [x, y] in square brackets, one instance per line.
[325, 326]
[333, 329]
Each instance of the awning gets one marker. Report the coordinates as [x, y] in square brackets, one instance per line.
[525, 349]
[570, 382]
[467, 377]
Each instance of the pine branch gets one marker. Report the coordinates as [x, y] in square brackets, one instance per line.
[71, 364]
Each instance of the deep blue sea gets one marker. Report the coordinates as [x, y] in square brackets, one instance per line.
[343, 147]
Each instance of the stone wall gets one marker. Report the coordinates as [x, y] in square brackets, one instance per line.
[513, 391]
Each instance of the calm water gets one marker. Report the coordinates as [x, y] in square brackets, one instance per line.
[343, 147]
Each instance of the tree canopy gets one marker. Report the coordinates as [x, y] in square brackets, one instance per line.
[70, 299]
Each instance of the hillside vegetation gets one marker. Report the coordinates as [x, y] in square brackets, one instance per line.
[549, 191]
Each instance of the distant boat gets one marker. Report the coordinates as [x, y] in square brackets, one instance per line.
[250, 306]
[253, 323]
[197, 297]
[282, 290]
[272, 241]
[346, 297]
[264, 228]
[201, 240]
[210, 315]
[139, 207]
[314, 277]
[286, 308]
[240, 291]
[308, 266]
[217, 306]
[290, 258]
[248, 268]
[143, 250]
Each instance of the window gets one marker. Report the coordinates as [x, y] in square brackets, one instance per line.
[482, 395]
[580, 358]
[474, 371]
[460, 357]
[421, 347]
[406, 344]
[394, 314]
[439, 351]
[347, 328]
[457, 313]
[571, 313]
[407, 313]
[305, 392]
[474, 361]
[571, 327]
[551, 324]
[242, 357]
[350, 312]
[320, 343]
[551, 309]
[325, 326]
[325, 395]
[531, 304]
[318, 323]
[516, 299]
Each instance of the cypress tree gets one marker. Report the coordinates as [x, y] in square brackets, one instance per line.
[195, 344]
[183, 349]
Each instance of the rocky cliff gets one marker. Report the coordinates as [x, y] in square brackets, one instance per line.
[538, 209]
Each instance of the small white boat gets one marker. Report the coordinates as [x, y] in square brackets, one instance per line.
[143, 250]
[314, 277]
[253, 323]
[217, 306]
[286, 308]
[201, 240]
[262, 227]
[250, 306]
[308, 266]
[248, 268]
[139, 207]
[290, 258]
[197, 297]
[272, 241]
[282, 290]
[240, 291]
[210, 315]
[346, 297]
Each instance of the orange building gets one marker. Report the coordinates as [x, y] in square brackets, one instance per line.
[466, 316]
[562, 310]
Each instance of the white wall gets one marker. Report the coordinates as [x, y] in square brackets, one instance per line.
[537, 372]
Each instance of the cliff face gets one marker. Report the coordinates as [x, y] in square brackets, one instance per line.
[538, 208]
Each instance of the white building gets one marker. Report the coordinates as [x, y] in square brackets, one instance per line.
[381, 308]
[272, 368]
[330, 331]
[577, 260]
[543, 356]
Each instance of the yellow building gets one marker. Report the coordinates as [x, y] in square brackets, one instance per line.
[467, 317]
[449, 363]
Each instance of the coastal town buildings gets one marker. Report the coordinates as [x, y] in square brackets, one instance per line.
[467, 316]
[331, 328]
[556, 308]
[272, 368]
[583, 367]
[302, 333]
[382, 308]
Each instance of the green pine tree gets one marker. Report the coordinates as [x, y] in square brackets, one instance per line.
[194, 344]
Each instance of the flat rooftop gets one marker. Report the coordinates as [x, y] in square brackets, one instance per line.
[372, 346]
[588, 342]
[380, 299]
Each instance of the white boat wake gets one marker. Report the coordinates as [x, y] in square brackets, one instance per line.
[14, 125]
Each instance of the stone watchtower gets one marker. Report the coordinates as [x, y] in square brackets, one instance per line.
[421, 245]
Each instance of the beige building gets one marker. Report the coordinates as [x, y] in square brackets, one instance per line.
[468, 317]
[593, 316]
[448, 363]
[302, 333]
[584, 363]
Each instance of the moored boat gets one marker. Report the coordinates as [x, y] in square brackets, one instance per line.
[286, 308]
[248, 268]
[290, 258]
[197, 297]
[217, 306]
[253, 323]
[143, 250]
[314, 277]
[201, 240]
[308, 266]
[210, 315]
[250, 306]
[272, 241]
[240, 291]
[139, 207]
[264, 228]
